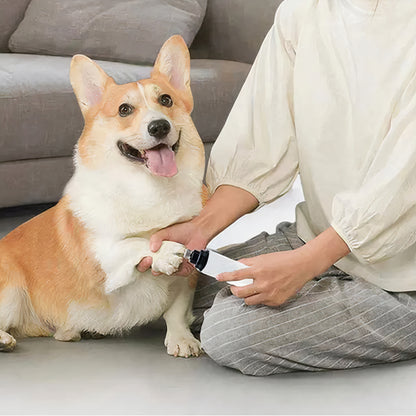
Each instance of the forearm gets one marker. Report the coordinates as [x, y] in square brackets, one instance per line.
[227, 204]
[324, 250]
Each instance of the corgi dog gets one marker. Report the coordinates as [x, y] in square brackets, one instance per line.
[139, 167]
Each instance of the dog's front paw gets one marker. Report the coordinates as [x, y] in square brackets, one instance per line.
[183, 345]
[168, 259]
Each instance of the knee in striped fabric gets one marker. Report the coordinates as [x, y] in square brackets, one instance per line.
[230, 336]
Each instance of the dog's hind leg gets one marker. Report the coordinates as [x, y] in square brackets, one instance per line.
[10, 306]
[17, 317]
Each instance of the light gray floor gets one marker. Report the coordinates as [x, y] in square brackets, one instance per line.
[134, 375]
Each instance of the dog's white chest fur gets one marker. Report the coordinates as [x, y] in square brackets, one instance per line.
[121, 217]
[120, 201]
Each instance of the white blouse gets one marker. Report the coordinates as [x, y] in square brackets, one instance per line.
[332, 96]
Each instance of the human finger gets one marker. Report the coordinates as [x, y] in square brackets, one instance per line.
[258, 299]
[158, 238]
[248, 261]
[236, 275]
[244, 291]
[144, 264]
[185, 269]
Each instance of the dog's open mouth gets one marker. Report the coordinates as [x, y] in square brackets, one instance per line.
[160, 160]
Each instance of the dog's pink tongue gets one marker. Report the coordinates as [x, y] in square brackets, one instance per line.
[161, 161]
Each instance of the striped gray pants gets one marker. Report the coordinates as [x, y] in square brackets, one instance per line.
[336, 321]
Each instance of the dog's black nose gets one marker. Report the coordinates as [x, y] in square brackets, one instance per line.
[159, 128]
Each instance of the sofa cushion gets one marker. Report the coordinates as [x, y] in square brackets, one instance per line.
[11, 14]
[125, 30]
[215, 85]
[33, 181]
[234, 29]
[40, 117]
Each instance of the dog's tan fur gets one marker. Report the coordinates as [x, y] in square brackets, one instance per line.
[48, 257]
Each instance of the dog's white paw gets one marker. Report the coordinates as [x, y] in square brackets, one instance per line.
[183, 345]
[67, 335]
[7, 342]
[168, 259]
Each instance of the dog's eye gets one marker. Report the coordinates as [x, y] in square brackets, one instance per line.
[125, 110]
[166, 100]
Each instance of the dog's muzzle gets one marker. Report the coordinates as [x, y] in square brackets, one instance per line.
[137, 155]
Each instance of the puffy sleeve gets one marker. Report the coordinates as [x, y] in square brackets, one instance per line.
[256, 149]
[378, 219]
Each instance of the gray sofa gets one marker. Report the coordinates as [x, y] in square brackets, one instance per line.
[39, 118]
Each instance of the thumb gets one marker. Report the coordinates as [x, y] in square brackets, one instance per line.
[157, 239]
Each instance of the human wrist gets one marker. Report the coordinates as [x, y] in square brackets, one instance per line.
[313, 263]
[207, 228]
[226, 205]
[323, 251]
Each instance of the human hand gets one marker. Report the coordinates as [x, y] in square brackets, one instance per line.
[277, 276]
[187, 233]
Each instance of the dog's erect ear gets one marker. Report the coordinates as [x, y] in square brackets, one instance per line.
[174, 63]
[88, 81]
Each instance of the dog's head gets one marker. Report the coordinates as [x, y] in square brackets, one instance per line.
[144, 124]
